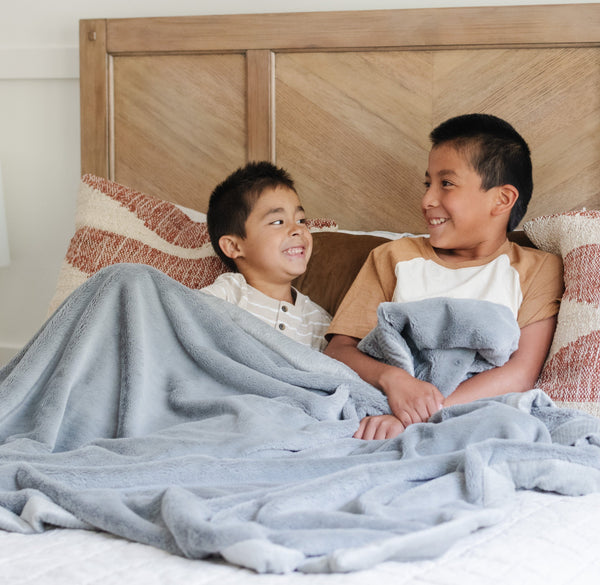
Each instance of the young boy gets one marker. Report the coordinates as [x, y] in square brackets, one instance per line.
[257, 226]
[478, 185]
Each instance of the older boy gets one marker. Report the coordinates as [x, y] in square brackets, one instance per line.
[478, 185]
[257, 226]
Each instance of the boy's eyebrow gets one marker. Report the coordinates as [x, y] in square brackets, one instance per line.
[443, 173]
[280, 210]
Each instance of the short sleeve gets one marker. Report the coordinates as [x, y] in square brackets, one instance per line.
[542, 290]
[374, 284]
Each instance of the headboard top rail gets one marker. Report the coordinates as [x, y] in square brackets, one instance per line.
[529, 25]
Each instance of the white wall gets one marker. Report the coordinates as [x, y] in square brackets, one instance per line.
[39, 129]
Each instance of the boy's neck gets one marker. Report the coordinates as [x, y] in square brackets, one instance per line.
[279, 292]
[479, 252]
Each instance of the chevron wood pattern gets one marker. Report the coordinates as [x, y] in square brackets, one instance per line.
[367, 116]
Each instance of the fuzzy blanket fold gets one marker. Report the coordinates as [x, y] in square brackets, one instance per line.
[172, 418]
[443, 340]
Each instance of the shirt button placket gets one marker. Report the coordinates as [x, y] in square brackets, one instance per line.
[281, 326]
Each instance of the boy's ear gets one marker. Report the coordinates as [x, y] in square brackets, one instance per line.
[506, 197]
[230, 246]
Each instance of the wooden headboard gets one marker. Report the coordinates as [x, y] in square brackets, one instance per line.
[343, 100]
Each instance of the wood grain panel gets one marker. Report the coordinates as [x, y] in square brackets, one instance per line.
[352, 130]
[551, 96]
[179, 123]
[353, 127]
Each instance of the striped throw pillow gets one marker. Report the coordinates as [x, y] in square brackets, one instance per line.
[571, 374]
[115, 224]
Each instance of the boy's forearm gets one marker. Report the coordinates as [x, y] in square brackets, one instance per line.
[519, 374]
[494, 382]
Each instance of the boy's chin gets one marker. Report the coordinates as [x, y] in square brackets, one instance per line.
[438, 242]
[297, 273]
[297, 266]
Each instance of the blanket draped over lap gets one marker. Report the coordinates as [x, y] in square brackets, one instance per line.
[172, 418]
[443, 340]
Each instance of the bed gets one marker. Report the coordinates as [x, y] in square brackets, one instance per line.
[344, 101]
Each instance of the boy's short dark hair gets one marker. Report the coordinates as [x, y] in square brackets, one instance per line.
[496, 151]
[233, 199]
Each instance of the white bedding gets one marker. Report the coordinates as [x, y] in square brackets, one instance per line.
[546, 540]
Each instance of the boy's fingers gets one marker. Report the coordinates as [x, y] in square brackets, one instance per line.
[378, 428]
[434, 406]
[366, 429]
[394, 430]
[406, 418]
[361, 428]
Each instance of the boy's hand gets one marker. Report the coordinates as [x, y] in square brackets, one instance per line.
[383, 426]
[411, 400]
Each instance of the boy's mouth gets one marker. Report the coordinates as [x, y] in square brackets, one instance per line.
[295, 251]
[437, 220]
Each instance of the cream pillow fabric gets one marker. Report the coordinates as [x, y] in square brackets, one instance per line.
[571, 374]
[115, 224]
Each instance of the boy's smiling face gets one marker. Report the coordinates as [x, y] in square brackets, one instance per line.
[277, 245]
[460, 215]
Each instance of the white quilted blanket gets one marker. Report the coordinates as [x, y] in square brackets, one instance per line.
[546, 540]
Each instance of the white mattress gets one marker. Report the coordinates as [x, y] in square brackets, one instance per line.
[547, 540]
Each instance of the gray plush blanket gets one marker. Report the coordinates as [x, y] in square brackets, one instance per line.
[172, 418]
[443, 340]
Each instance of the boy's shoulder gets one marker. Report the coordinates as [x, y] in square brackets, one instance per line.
[305, 305]
[528, 260]
[230, 286]
[532, 254]
[532, 261]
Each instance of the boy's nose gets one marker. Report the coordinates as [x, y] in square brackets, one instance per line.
[298, 228]
[429, 199]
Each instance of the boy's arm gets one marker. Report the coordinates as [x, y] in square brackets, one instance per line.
[518, 374]
[410, 400]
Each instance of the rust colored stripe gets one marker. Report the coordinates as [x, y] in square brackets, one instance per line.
[91, 249]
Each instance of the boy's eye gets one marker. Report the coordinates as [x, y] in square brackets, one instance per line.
[426, 184]
[447, 184]
[300, 221]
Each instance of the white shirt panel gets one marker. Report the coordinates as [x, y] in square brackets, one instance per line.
[497, 282]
